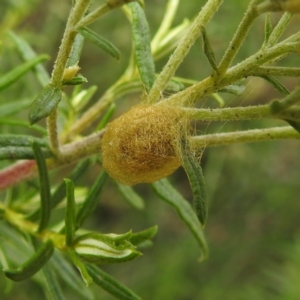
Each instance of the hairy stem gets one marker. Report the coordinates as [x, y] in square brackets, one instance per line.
[238, 39]
[182, 49]
[256, 135]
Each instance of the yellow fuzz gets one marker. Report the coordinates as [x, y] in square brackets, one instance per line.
[292, 6]
[142, 146]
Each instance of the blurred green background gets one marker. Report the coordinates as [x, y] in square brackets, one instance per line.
[253, 190]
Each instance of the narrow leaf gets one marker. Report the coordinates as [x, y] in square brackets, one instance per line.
[20, 140]
[45, 103]
[33, 265]
[70, 212]
[131, 196]
[77, 80]
[19, 152]
[107, 116]
[81, 267]
[111, 285]
[236, 90]
[142, 236]
[60, 192]
[44, 187]
[11, 108]
[18, 122]
[28, 53]
[268, 28]
[100, 41]
[70, 276]
[167, 193]
[295, 125]
[208, 50]
[9, 78]
[142, 45]
[277, 85]
[76, 50]
[51, 284]
[91, 200]
[196, 179]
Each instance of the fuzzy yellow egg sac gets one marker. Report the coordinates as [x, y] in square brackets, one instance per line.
[292, 6]
[142, 146]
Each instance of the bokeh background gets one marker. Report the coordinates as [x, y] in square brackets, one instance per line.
[253, 228]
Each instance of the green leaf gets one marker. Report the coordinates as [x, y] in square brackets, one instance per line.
[208, 50]
[28, 53]
[11, 108]
[20, 140]
[80, 100]
[33, 265]
[76, 51]
[142, 44]
[70, 276]
[18, 122]
[196, 179]
[19, 152]
[100, 41]
[70, 212]
[167, 193]
[45, 103]
[81, 267]
[277, 85]
[131, 196]
[51, 285]
[111, 285]
[236, 90]
[9, 78]
[77, 80]
[60, 192]
[44, 187]
[105, 248]
[295, 125]
[268, 28]
[91, 200]
[289, 100]
[107, 116]
[144, 235]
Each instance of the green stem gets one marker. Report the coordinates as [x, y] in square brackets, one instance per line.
[229, 114]
[279, 29]
[182, 49]
[245, 68]
[102, 10]
[276, 71]
[238, 39]
[52, 133]
[76, 14]
[256, 135]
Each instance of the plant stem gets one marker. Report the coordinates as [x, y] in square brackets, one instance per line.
[57, 75]
[18, 220]
[245, 68]
[256, 135]
[279, 29]
[182, 49]
[67, 42]
[70, 153]
[52, 133]
[275, 71]
[230, 114]
[238, 39]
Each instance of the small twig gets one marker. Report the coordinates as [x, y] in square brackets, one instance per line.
[238, 38]
[256, 135]
[208, 10]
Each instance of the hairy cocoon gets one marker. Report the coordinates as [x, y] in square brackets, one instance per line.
[143, 145]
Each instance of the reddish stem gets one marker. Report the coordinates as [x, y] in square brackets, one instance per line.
[16, 173]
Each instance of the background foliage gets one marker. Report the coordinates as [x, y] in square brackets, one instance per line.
[253, 191]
